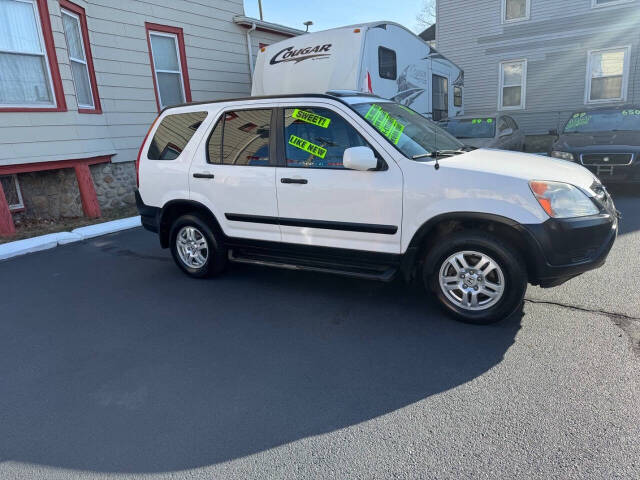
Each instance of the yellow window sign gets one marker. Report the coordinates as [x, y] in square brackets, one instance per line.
[307, 146]
[311, 118]
[385, 124]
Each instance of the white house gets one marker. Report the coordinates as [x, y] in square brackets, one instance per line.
[81, 82]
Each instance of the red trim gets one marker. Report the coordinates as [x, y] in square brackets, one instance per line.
[156, 27]
[79, 11]
[7, 228]
[90, 204]
[38, 167]
[58, 92]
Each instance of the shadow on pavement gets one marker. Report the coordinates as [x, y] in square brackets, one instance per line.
[111, 360]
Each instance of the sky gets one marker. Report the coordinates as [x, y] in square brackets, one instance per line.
[335, 13]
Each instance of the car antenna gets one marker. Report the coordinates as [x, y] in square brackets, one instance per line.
[437, 164]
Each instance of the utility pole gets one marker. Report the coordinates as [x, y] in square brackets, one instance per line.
[260, 8]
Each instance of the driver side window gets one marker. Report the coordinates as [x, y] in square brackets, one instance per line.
[317, 138]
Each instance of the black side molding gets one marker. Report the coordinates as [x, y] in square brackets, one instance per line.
[324, 224]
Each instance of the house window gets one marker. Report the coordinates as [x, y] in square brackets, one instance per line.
[168, 65]
[605, 3]
[29, 76]
[513, 85]
[74, 23]
[387, 65]
[12, 192]
[607, 75]
[515, 10]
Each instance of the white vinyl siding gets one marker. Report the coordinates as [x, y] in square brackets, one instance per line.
[513, 85]
[607, 75]
[25, 79]
[515, 10]
[78, 59]
[168, 68]
[216, 50]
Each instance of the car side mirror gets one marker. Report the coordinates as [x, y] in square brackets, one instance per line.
[553, 132]
[506, 133]
[359, 158]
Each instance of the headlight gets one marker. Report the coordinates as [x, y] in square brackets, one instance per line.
[562, 200]
[563, 155]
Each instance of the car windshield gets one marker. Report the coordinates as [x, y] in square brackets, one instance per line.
[408, 131]
[604, 121]
[481, 127]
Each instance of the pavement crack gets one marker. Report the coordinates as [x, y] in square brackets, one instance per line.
[584, 309]
[630, 325]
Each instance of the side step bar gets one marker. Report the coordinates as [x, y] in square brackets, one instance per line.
[367, 272]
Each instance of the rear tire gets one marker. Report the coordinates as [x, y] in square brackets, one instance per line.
[477, 277]
[196, 249]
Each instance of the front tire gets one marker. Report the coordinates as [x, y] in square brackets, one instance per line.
[196, 249]
[477, 277]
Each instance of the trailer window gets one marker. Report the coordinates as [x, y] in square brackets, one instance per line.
[457, 96]
[387, 65]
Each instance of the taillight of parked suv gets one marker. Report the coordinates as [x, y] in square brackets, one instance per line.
[140, 151]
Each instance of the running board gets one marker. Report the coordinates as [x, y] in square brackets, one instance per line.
[368, 272]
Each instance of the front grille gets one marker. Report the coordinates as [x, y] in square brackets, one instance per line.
[606, 158]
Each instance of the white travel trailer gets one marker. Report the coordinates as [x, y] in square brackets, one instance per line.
[383, 58]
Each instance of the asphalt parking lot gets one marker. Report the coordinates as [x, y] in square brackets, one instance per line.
[114, 364]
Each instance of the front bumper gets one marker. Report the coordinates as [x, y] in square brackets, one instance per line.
[616, 174]
[566, 248]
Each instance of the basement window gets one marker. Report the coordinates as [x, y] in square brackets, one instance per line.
[12, 192]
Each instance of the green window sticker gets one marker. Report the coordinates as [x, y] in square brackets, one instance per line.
[384, 123]
[631, 112]
[311, 118]
[307, 146]
[476, 121]
[578, 120]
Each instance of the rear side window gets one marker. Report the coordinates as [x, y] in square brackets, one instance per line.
[241, 137]
[173, 134]
[317, 138]
[387, 63]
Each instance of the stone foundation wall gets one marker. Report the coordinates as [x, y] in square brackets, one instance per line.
[115, 183]
[55, 194]
[50, 194]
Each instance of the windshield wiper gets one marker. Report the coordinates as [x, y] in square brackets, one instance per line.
[440, 153]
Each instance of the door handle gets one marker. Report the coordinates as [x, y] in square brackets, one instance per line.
[294, 180]
[203, 175]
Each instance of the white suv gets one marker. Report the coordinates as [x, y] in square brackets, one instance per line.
[361, 186]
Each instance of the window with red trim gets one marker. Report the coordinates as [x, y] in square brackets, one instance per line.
[29, 74]
[74, 23]
[168, 64]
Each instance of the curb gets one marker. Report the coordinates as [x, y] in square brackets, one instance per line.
[52, 240]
